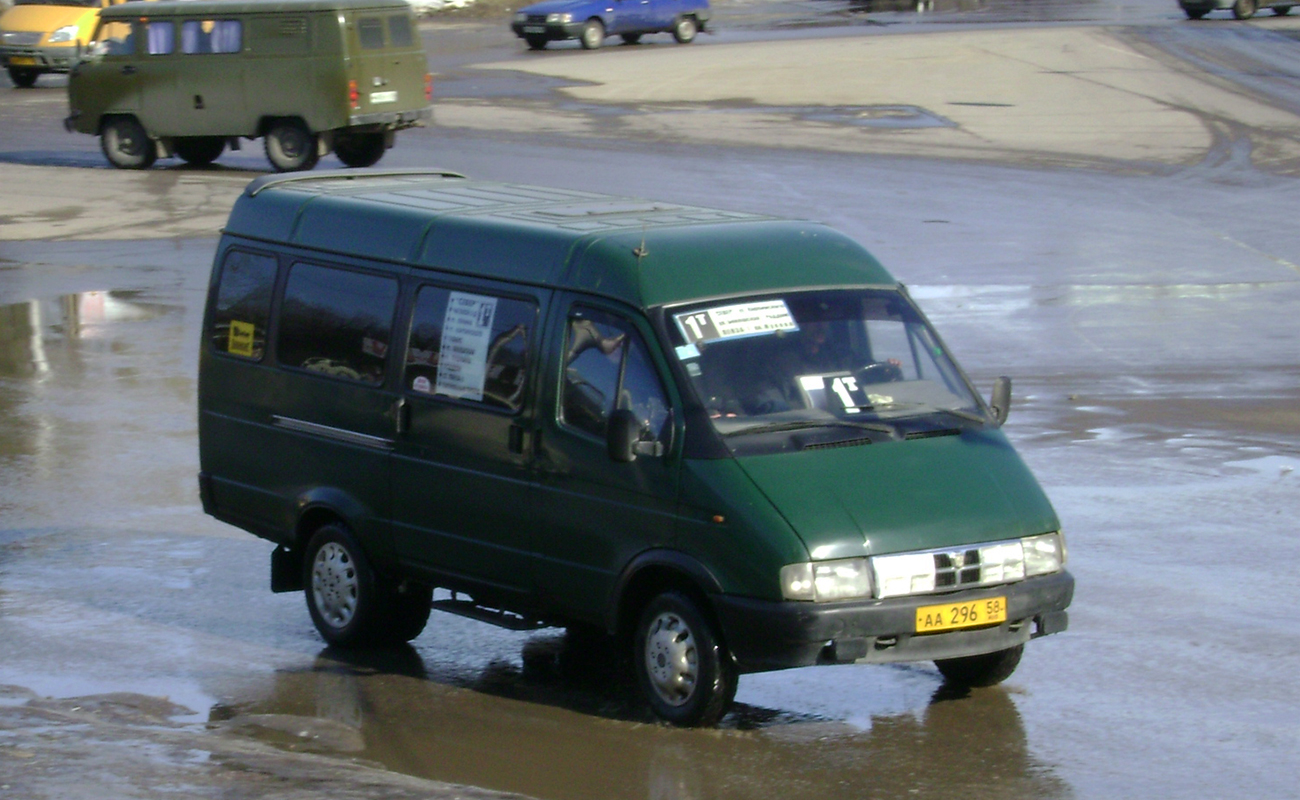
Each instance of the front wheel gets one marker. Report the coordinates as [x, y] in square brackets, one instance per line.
[1244, 9]
[988, 669]
[23, 77]
[200, 150]
[290, 147]
[593, 34]
[682, 668]
[126, 145]
[685, 29]
[359, 149]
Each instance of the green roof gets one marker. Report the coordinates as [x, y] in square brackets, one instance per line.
[212, 8]
[643, 252]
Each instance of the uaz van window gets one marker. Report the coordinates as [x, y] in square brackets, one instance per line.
[399, 31]
[336, 322]
[607, 367]
[371, 30]
[860, 361]
[211, 36]
[243, 305]
[469, 346]
[161, 37]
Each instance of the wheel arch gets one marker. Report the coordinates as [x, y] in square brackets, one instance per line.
[315, 509]
[654, 572]
[268, 121]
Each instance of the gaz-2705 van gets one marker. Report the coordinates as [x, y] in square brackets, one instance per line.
[310, 77]
[45, 36]
[728, 441]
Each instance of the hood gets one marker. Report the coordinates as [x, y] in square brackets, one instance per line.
[556, 6]
[905, 495]
[45, 19]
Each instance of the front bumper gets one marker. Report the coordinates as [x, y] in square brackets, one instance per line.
[766, 635]
[553, 31]
[45, 59]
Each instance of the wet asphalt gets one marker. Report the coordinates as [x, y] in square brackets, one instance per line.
[1148, 318]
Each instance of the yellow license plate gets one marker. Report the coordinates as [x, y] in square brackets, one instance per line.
[22, 61]
[971, 614]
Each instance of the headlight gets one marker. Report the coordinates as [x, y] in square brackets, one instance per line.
[823, 581]
[521, 16]
[1044, 554]
[65, 34]
[561, 19]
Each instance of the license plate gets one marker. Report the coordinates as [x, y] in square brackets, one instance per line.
[22, 61]
[951, 616]
[534, 29]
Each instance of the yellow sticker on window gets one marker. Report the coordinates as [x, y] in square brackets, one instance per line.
[241, 338]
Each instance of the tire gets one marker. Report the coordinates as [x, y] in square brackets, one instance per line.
[593, 34]
[290, 147]
[349, 603]
[200, 150]
[686, 27]
[681, 667]
[126, 145]
[536, 42]
[630, 38]
[1244, 9]
[989, 669]
[23, 77]
[359, 149]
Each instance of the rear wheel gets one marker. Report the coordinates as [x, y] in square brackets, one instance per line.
[23, 77]
[536, 42]
[683, 669]
[1244, 9]
[290, 147]
[359, 149]
[983, 670]
[685, 29]
[200, 150]
[126, 145]
[350, 604]
[593, 34]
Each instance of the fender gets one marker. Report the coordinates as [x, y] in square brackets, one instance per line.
[672, 565]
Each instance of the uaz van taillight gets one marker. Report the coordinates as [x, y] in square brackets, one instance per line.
[428, 87]
[354, 96]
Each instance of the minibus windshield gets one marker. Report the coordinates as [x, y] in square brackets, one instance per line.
[849, 359]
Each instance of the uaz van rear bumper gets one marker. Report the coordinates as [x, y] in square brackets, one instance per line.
[765, 635]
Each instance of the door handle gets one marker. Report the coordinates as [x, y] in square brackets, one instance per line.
[518, 438]
[401, 415]
[129, 69]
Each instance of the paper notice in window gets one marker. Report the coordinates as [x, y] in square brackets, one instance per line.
[241, 337]
[743, 319]
[466, 337]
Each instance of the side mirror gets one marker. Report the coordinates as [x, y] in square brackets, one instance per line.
[1000, 403]
[623, 438]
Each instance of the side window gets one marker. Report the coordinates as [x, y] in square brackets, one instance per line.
[211, 36]
[337, 322]
[399, 31]
[470, 346]
[114, 39]
[161, 38]
[243, 305]
[608, 367]
[371, 31]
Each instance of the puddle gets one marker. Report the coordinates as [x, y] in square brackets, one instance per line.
[29, 329]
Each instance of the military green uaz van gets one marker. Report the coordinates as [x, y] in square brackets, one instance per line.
[191, 77]
[729, 441]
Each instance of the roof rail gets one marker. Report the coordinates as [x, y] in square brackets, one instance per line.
[267, 181]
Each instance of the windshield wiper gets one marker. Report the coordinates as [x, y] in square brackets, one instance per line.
[780, 427]
[924, 409]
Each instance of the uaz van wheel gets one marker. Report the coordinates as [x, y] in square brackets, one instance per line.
[1244, 9]
[683, 670]
[200, 150]
[349, 603]
[23, 77]
[359, 149]
[685, 29]
[290, 147]
[593, 34]
[989, 669]
[126, 145]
